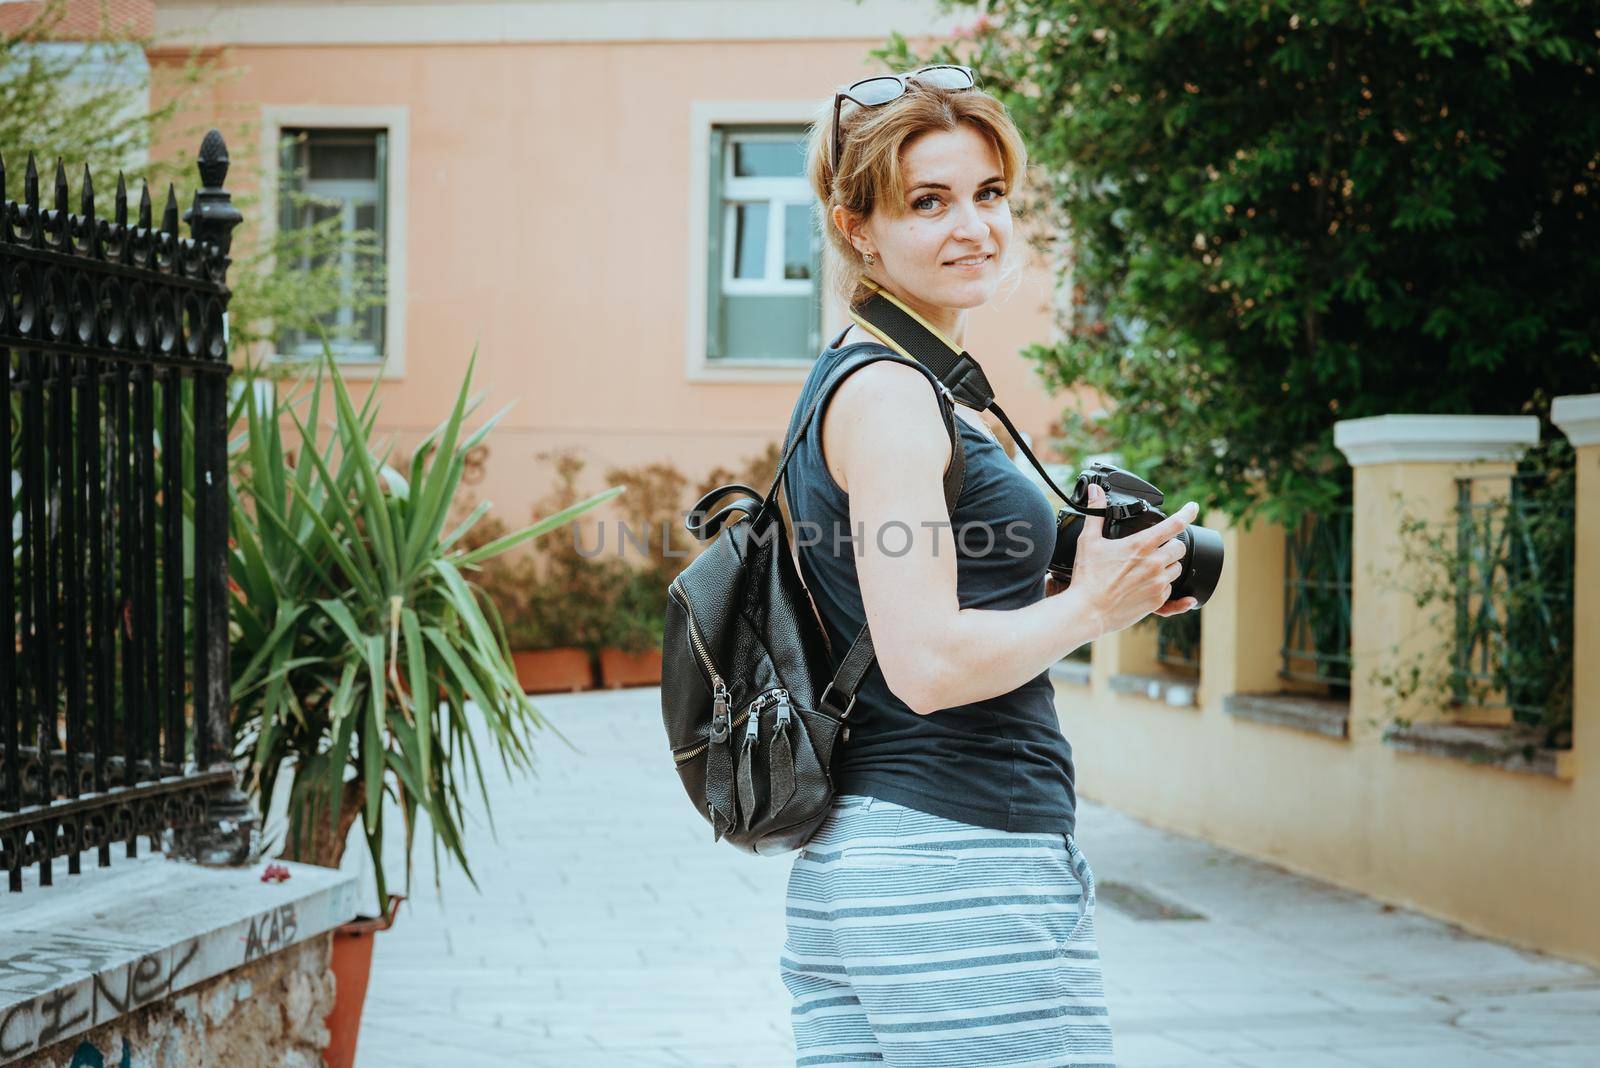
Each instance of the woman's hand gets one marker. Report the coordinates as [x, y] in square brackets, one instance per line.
[1123, 580]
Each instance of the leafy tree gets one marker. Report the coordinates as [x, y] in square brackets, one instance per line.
[1286, 214]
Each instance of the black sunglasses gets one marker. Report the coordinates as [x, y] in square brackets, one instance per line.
[882, 88]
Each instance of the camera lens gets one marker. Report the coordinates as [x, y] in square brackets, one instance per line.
[1202, 563]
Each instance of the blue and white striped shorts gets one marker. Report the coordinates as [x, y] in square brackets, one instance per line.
[915, 940]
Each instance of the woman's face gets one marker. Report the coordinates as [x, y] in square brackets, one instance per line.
[954, 211]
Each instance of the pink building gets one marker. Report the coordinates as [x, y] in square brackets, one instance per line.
[603, 196]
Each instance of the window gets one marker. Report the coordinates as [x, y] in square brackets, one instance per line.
[763, 249]
[346, 171]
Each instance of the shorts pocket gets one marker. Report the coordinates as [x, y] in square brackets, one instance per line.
[882, 856]
[1085, 876]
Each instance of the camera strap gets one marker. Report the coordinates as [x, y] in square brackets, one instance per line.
[964, 382]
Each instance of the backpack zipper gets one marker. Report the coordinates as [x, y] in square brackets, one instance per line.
[695, 640]
[752, 713]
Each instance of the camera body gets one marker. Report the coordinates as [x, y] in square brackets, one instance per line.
[1132, 505]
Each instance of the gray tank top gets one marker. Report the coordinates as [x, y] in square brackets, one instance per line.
[1001, 762]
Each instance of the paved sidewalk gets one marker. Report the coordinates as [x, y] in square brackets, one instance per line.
[610, 931]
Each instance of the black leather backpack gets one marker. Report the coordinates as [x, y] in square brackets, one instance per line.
[751, 701]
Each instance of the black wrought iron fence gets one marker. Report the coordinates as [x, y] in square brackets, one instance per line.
[113, 553]
[1317, 586]
[1514, 594]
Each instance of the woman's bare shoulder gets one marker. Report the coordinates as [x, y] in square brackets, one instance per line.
[885, 410]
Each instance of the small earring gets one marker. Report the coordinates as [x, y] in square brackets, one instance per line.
[869, 259]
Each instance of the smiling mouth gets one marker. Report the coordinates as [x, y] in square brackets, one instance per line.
[969, 261]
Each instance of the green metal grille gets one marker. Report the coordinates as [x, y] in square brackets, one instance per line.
[1514, 604]
[1178, 641]
[1316, 581]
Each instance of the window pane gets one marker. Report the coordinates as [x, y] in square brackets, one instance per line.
[344, 181]
[797, 241]
[759, 326]
[750, 241]
[343, 155]
[769, 159]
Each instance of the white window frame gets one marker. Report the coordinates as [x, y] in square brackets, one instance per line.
[778, 194]
[390, 363]
[704, 115]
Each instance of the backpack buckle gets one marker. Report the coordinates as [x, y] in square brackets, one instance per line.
[828, 703]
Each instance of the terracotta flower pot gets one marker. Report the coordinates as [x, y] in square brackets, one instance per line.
[619, 668]
[351, 965]
[553, 670]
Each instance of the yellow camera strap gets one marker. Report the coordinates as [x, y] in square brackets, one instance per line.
[900, 328]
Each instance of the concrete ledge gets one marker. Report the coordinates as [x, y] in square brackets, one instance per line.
[1578, 417]
[1168, 689]
[1319, 715]
[1506, 748]
[1390, 439]
[97, 946]
[1072, 672]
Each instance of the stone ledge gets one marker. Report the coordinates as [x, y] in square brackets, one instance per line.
[1318, 715]
[97, 946]
[1169, 689]
[1072, 672]
[1506, 748]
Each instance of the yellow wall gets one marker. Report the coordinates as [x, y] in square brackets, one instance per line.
[1514, 855]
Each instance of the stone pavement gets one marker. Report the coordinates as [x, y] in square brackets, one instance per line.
[608, 930]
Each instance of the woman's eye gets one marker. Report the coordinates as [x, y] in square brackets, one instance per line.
[920, 201]
[996, 190]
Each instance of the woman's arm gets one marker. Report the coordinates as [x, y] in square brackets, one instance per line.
[887, 447]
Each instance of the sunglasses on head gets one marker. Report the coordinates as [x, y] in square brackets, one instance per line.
[882, 88]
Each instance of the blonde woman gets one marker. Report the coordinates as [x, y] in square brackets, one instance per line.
[943, 914]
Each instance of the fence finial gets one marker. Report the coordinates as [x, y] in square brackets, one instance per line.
[213, 159]
[30, 185]
[213, 216]
[144, 205]
[61, 188]
[86, 197]
[122, 201]
[169, 214]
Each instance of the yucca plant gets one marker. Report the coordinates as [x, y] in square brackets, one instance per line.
[364, 654]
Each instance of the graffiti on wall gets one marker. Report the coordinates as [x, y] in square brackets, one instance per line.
[65, 1000]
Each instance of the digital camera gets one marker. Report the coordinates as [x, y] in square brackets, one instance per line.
[1132, 505]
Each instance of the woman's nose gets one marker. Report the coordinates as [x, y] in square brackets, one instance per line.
[969, 224]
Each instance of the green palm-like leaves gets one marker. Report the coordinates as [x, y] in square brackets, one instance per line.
[359, 640]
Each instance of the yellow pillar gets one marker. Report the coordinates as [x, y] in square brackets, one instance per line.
[1241, 627]
[1406, 467]
[1579, 419]
[1131, 651]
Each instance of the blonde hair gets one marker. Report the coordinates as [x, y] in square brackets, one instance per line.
[869, 166]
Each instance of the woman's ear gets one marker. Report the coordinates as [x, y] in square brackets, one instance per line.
[848, 224]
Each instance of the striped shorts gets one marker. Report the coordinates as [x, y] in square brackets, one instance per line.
[915, 940]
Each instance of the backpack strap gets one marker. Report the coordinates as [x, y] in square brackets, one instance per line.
[839, 696]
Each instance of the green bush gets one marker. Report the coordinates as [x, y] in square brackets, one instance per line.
[1283, 215]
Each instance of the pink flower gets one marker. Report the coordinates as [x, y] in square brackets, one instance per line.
[274, 873]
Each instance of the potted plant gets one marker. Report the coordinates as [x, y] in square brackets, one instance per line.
[630, 653]
[544, 651]
[558, 597]
[364, 654]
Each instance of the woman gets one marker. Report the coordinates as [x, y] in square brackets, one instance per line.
[943, 913]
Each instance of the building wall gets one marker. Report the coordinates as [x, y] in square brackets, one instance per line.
[545, 217]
